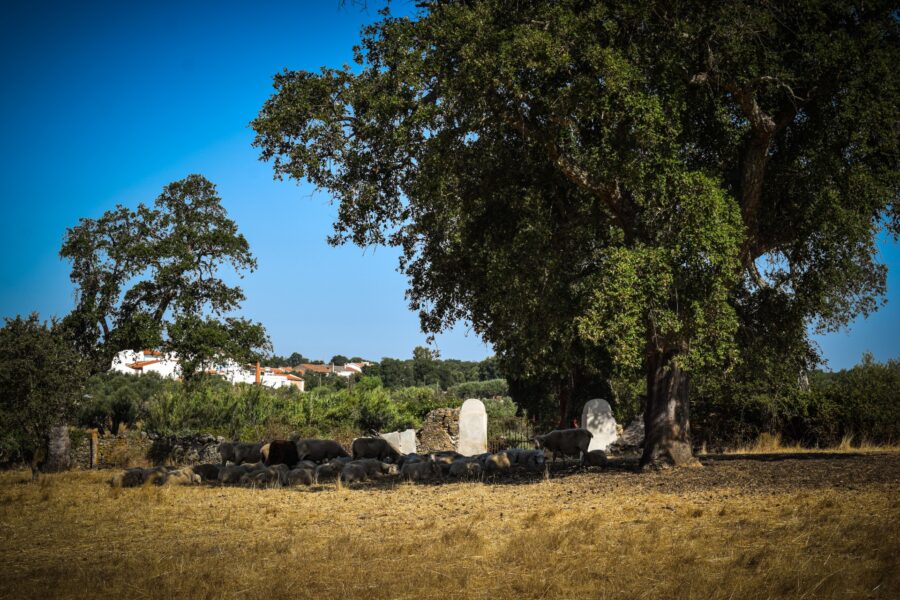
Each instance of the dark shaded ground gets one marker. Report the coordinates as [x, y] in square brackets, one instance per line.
[766, 472]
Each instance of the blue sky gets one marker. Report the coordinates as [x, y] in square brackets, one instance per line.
[105, 103]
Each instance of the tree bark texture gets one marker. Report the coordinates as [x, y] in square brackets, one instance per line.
[667, 441]
[58, 450]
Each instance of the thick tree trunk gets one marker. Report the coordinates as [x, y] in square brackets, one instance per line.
[58, 450]
[667, 433]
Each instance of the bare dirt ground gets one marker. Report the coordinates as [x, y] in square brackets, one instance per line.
[762, 526]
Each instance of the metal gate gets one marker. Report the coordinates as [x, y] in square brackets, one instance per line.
[510, 432]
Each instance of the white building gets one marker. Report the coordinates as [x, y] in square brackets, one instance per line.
[350, 369]
[133, 362]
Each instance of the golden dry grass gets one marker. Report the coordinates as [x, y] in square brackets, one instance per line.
[781, 527]
[768, 443]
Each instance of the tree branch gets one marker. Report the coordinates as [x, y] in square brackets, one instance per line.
[608, 193]
[755, 275]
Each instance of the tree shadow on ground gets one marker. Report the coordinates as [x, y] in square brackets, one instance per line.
[562, 470]
[779, 456]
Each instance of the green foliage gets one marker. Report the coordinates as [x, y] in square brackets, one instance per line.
[626, 396]
[416, 402]
[200, 342]
[621, 184]
[480, 389]
[500, 408]
[111, 399]
[295, 359]
[140, 273]
[863, 402]
[316, 381]
[251, 412]
[673, 288]
[41, 381]
[427, 369]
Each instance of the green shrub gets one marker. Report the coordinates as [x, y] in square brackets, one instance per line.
[497, 408]
[863, 402]
[491, 388]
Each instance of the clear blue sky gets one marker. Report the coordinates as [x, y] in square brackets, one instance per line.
[105, 103]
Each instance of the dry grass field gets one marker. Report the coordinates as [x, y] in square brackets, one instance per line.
[797, 525]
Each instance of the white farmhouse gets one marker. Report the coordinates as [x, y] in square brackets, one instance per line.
[132, 362]
[351, 369]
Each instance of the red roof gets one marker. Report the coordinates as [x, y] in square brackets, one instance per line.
[143, 363]
[153, 352]
[315, 368]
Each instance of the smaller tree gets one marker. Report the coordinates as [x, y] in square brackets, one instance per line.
[424, 366]
[339, 360]
[296, 358]
[138, 272]
[203, 342]
[41, 378]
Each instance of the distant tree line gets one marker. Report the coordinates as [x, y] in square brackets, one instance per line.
[427, 369]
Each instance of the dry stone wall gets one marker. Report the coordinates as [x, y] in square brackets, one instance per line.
[138, 448]
[440, 431]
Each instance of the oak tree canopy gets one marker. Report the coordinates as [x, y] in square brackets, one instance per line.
[598, 185]
[152, 278]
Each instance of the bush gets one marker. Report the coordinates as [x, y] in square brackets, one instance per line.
[114, 399]
[862, 402]
[250, 412]
[416, 402]
[497, 408]
[491, 388]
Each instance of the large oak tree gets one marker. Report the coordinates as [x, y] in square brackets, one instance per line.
[153, 277]
[613, 184]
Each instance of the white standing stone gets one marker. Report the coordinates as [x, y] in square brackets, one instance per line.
[408, 441]
[597, 418]
[393, 439]
[472, 428]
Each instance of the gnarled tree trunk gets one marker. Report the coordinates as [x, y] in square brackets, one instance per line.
[667, 431]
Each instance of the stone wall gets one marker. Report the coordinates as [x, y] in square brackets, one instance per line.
[138, 448]
[80, 451]
[186, 450]
[630, 441]
[440, 431]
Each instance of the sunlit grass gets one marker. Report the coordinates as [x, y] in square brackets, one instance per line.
[768, 443]
[589, 535]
